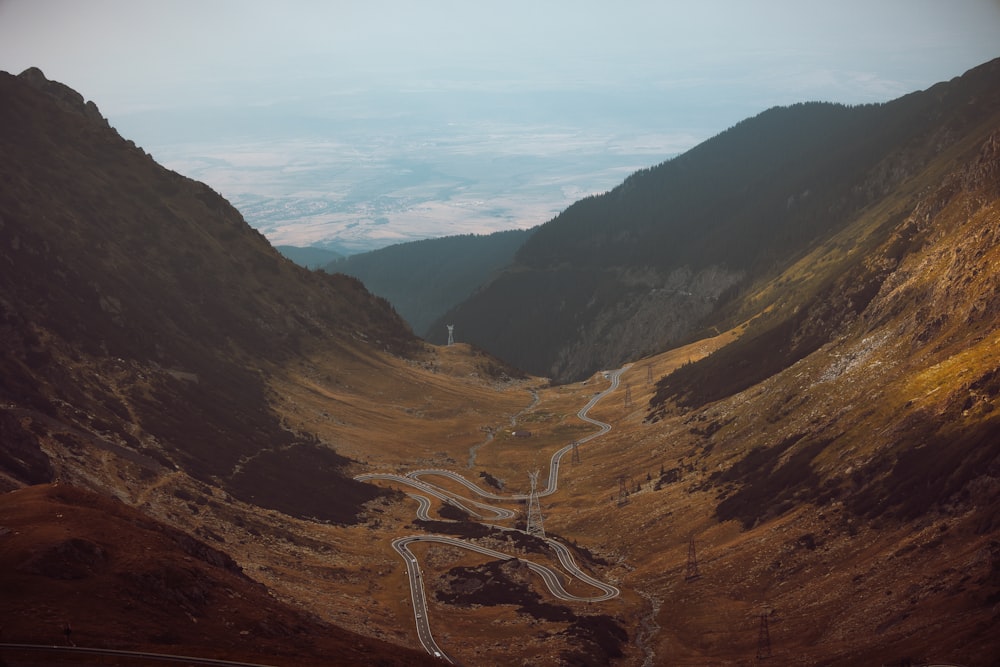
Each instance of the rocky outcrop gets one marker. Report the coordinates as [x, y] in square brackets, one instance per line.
[66, 97]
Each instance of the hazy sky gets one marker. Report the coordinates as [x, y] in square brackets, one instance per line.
[133, 53]
[692, 68]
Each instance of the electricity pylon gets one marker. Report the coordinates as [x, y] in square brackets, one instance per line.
[535, 523]
[692, 566]
[763, 639]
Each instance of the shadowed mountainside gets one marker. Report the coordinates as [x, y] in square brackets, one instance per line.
[62, 550]
[654, 261]
[137, 307]
[424, 279]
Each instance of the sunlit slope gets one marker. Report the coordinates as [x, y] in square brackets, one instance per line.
[849, 493]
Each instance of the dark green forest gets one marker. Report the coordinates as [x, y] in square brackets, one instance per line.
[423, 279]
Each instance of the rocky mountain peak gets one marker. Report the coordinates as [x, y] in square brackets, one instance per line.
[67, 98]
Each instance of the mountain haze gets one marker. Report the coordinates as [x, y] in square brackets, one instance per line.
[651, 263]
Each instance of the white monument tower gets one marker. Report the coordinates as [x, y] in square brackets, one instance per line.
[451, 334]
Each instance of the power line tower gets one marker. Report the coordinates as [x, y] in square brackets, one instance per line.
[575, 458]
[649, 373]
[451, 334]
[622, 491]
[692, 566]
[763, 639]
[628, 395]
[535, 523]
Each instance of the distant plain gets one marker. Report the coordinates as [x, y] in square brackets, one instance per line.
[355, 172]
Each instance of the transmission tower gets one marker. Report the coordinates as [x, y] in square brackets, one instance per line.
[763, 639]
[622, 491]
[628, 395]
[649, 373]
[451, 334]
[535, 524]
[692, 566]
[575, 458]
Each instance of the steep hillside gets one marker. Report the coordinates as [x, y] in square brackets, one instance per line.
[424, 279]
[653, 261]
[62, 557]
[139, 310]
[846, 491]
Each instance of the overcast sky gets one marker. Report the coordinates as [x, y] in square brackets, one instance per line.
[125, 54]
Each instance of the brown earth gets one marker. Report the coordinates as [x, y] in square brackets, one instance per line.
[121, 580]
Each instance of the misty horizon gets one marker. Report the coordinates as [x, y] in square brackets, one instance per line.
[361, 125]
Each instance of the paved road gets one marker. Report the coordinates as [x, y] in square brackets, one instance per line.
[553, 481]
[499, 513]
[424, 506]
[550, 577]
[401, 545]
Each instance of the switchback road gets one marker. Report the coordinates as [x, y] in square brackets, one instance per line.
[550, 577]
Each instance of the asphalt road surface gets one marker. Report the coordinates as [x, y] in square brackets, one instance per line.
[553, 580]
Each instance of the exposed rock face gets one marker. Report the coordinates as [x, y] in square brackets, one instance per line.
[658, 313]
[67, 97]
[21, 455]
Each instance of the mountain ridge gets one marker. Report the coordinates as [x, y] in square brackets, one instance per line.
[762, 191]
[79, 239]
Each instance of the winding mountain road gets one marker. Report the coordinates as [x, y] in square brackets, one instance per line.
[549, 576]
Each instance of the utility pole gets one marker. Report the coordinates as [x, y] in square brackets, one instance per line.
[535, 524]
[692, 566]
[763, 639]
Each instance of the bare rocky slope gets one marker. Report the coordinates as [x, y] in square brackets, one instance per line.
[847, 485]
